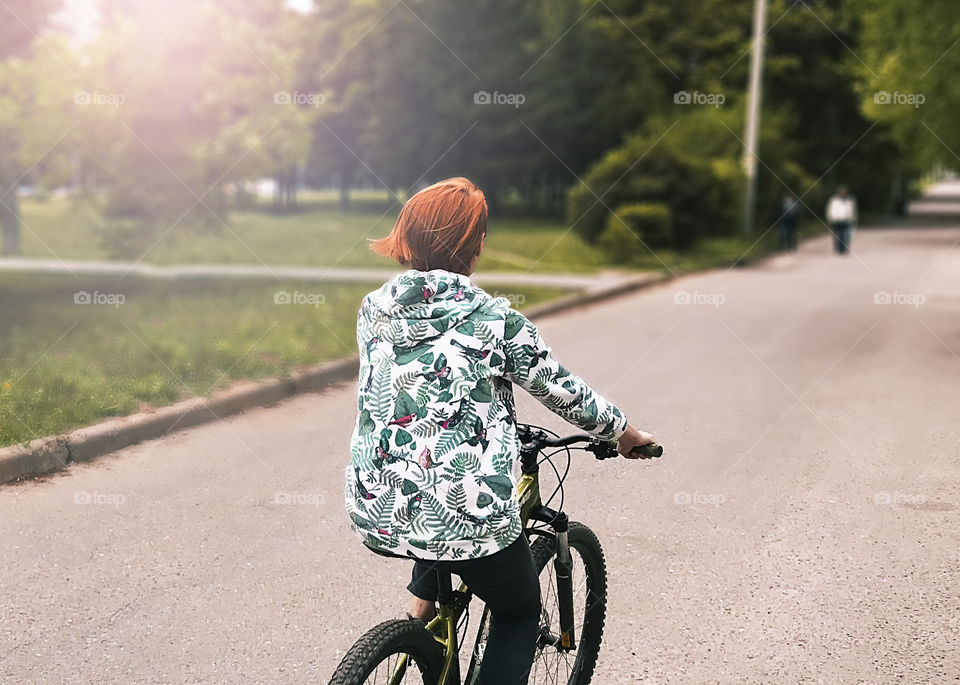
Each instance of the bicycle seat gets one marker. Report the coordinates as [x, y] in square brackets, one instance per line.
[444, 577]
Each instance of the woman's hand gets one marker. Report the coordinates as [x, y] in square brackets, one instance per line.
[632, 438]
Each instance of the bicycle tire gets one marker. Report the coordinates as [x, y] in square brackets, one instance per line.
[583, 543]
[380, 643]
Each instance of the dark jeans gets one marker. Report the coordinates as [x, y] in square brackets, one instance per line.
[841, 237]
[507, 582]
[788, 235]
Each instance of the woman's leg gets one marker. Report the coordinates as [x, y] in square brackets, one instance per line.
[423, 587]
[507, 582]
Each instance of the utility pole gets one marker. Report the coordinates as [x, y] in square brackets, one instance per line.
[753, 116]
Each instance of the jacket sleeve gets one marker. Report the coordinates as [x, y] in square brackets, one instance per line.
[529, 363]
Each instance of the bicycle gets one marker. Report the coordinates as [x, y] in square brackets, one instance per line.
[570, 631]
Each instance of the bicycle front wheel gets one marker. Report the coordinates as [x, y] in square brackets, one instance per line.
[553, 664]
[393, 652]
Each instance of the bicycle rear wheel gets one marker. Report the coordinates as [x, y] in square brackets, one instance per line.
[551, 663]
[375, 658]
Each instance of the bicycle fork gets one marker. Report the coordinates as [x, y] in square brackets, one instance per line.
[563, 565]
[563, 568]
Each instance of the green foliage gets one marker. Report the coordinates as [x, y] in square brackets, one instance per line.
[200, 115]
[814, 134]
[631, 227]
[909, 51]
[684, 166]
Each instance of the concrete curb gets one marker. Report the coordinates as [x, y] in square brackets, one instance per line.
[47, 455]
[85, 444]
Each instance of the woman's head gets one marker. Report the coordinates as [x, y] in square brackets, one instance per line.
[441, 227]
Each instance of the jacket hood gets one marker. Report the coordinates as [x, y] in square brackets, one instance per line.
[418, 305]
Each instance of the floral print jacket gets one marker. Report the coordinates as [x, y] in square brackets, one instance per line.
[431, 474]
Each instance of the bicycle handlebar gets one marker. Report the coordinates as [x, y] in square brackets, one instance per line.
[601, 449]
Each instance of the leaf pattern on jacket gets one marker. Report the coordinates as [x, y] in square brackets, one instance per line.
[434, 447]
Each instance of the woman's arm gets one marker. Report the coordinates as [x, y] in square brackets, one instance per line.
[530, 363]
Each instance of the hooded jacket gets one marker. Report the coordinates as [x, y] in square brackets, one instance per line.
[431, 474]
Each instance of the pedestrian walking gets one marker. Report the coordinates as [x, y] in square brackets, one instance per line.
[787, 219]
[842, 217]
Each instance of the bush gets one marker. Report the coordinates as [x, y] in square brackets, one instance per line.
[629, 225]
[688, 168]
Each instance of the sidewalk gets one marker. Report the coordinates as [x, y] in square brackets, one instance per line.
[110, 269]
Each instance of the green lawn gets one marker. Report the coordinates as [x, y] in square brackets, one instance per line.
[318, 235]
[321, 235]
[65, 365]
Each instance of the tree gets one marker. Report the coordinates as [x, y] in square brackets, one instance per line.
[688, 167]
[813, 86]
[212, 102]
[910, 61]
[20, 22]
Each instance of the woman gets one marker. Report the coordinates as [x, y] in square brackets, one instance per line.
[434, 447]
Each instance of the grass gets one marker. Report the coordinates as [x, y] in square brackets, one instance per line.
[317, 235]
[321, 235]
[65, 365]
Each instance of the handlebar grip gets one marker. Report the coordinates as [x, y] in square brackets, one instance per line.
[649, 451]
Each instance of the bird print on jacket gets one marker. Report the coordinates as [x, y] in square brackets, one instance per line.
[431, 474]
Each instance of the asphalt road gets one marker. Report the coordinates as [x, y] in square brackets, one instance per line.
[801, 528]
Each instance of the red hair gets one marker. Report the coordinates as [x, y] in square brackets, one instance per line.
[441, 227]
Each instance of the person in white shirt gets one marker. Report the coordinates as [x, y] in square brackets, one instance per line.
[842, 216]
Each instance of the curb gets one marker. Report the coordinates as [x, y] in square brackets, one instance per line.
[598, 294]
[47, 455]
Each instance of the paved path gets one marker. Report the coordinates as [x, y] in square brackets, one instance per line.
[110, 269]
[802, 527]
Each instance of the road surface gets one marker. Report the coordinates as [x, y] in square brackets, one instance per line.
[801, 528]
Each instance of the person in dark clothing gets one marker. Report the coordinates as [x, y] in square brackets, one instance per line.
[788, 218]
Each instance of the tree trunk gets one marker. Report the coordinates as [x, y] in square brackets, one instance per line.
[10, 218]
